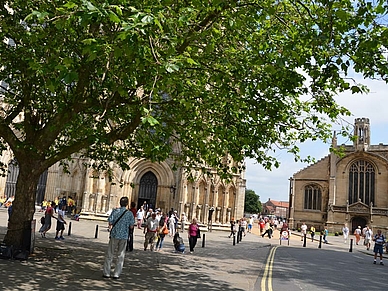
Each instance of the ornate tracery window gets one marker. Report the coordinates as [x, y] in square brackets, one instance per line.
[312, 197]
[361, 182]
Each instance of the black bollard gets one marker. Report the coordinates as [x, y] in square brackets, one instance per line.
[240, 234]
[69, 230]
[304, 240]
[234, 240]
[351, 246]
[320, 242]
[96, 234]
[203, 240]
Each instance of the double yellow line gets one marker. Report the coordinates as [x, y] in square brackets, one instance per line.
[267, 277]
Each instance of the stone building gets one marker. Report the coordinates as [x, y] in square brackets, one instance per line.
[156, 183]
[351, 188]
[277, 208]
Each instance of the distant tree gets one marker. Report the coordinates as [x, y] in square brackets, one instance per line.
[252, 202]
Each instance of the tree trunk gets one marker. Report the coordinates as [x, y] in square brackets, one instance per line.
[23, 207]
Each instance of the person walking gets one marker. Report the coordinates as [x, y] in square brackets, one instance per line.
[250, 224]
[268, 229]
[312, 232]
[171, 224]
[183, 221]
[193, 234]
[379, 240]
[261, 226]
[140, 217]
[49, 213]
[357, 234]
[60, 222]
[345, 232]
[368, 237]
[325, 235]
[244, 225]
[132, 229]
[232, 224]
[120, 221]
[303, 230]
[151, 229]
[162, 231]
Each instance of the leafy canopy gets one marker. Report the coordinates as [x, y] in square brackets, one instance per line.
[236, 78]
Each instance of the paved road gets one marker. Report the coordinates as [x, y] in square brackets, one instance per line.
[76, 262]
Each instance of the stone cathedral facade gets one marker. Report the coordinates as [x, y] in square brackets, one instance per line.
[156, 183]
[351, 189]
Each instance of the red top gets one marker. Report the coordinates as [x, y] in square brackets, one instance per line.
[49, 210]
[193, 228]
[134, 211]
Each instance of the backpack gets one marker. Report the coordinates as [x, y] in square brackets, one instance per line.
[42, 220]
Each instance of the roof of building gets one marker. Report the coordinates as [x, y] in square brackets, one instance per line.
[275, 203]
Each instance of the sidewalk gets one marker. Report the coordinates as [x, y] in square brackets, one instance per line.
[76, 262]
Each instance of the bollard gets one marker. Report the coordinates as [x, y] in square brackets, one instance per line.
[351, 246]
[69, 230]
[203, 240]
[240, 234]
[304, 240]
[234, 240]
[96, 234]
[320, 242]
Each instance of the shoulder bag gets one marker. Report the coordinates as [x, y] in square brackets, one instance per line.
[117, 220]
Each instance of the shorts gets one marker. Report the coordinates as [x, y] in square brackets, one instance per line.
[378, 249]
[60, 225]
[249, 226]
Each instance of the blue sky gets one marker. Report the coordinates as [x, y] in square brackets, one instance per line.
[275, 184]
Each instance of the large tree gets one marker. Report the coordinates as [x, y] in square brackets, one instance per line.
[252, 202]
[116, 78]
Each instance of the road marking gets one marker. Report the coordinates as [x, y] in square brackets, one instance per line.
[267, 277]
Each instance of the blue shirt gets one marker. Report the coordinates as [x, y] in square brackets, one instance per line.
[121, 228]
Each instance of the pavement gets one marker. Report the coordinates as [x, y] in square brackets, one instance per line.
[76, 262]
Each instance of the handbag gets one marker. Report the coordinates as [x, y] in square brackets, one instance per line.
[198, 233]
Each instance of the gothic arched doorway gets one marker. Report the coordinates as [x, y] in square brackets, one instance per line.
[358, 221]
[148, 190]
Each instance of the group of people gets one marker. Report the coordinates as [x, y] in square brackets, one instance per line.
[156, 225]
[69, 203]
[46, 220]
[243, 224]
[304, 229]
[367, 234]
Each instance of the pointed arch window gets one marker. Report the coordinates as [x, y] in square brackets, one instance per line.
[312, 197]
[361, 182]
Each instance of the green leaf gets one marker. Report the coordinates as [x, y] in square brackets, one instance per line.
[171, 67]
[70, 77]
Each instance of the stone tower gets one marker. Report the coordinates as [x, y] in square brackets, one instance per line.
[362, 134]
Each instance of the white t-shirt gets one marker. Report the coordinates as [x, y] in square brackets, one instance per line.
[368, 234]
[61, 215]
[140, 214]
[303, 228]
